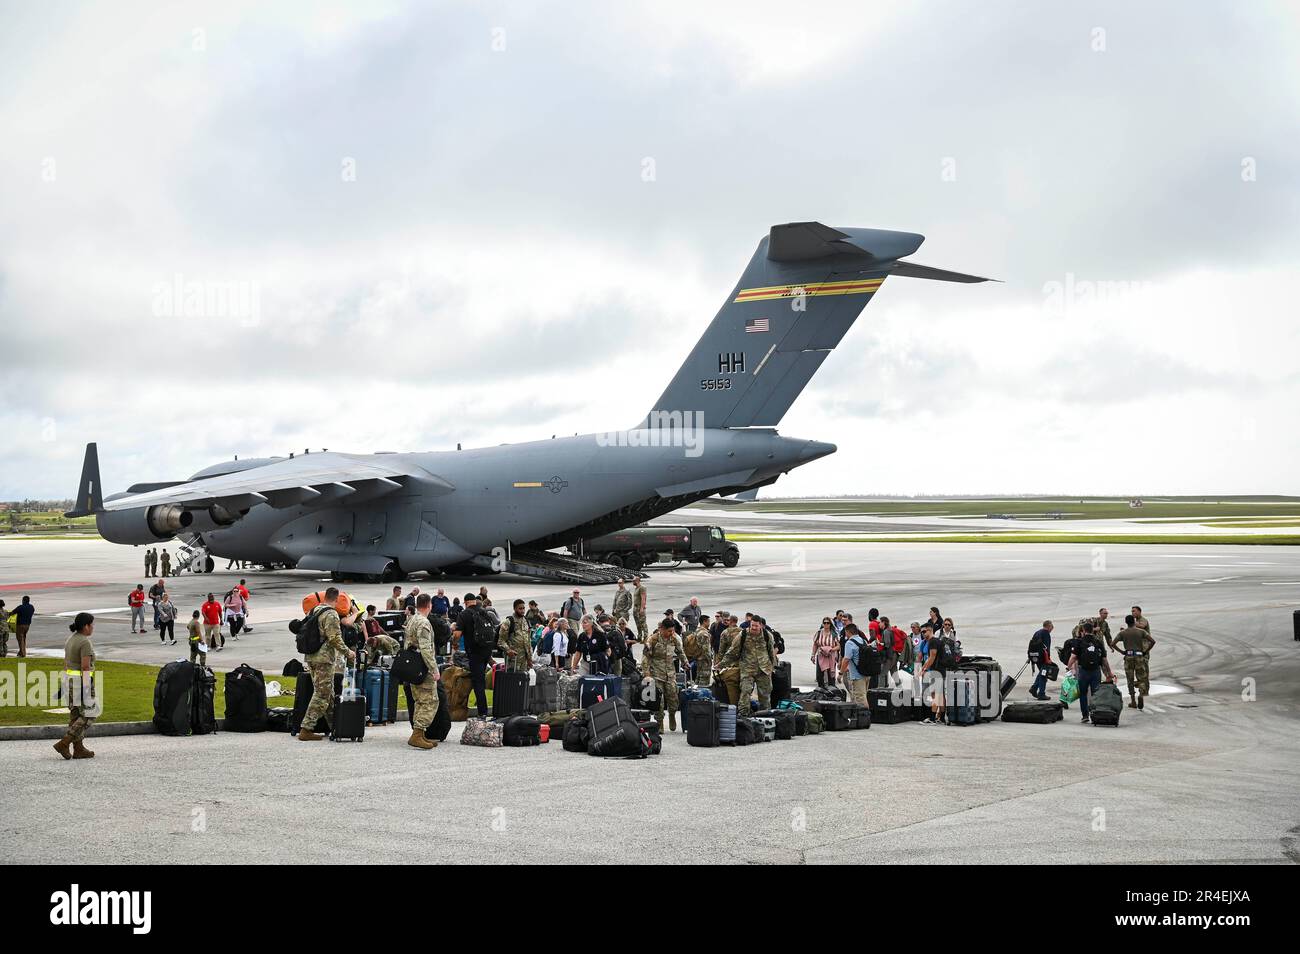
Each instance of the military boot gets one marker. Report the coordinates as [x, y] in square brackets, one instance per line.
[307, 735]
[418, 740]
[1140, 698]
[1132, 702]
[61, 746]
[659, 721]
[672, 721]
[79, 751]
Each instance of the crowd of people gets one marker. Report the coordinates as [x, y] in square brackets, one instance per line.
[578, 640]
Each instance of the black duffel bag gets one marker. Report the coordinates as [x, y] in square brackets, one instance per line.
[409, 667]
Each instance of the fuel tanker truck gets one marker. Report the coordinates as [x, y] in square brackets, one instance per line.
[641, 546]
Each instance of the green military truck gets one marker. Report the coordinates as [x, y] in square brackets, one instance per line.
[641, 546]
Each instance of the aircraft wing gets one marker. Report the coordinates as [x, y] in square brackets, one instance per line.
[308, 479]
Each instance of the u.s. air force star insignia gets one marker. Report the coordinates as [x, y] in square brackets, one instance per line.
[556, 484]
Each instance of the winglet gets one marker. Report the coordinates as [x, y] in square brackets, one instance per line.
[90, 497]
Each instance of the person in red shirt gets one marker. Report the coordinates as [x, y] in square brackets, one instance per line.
[243, 591]
[891, 643]
[211, 611]
[135, 600]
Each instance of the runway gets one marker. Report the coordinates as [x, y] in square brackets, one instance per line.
[1203, 775]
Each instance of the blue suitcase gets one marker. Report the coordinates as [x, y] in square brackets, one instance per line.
[686, 696]
[381, 701]
[594, 688]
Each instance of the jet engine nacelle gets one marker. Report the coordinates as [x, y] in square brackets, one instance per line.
[143, 524]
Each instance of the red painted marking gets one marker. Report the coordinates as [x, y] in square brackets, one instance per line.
[51, 585]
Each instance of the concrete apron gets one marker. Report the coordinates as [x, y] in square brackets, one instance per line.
[18, 733]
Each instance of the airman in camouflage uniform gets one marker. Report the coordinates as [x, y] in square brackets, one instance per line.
[729, 637]
[1140, 621]
[622, 602]
[515, 636]
[639, 600]
[699, 650]
[756, 656]
[424, 697]
[379, 646]
[321, 665]
[1135, 643]
[661, 649]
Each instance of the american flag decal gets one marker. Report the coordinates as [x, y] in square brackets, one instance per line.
[755, 325]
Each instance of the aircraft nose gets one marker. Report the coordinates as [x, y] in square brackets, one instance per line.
[815, 449]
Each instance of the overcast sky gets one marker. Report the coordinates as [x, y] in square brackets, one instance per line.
[486, 222]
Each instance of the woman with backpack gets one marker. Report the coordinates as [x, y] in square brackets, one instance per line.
[235, 609]
[826, 653]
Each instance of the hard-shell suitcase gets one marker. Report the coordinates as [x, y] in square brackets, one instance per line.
[1105, 704]
[510, 694]
[768, 725]
[171, 698]
[702, 723]
[203, 702]
[381, 700]
[888, 706]
[687, 696]
[986, 676]
[521, 730]
[349, 720]
[595, 688]
[861, 716]
[245, 700]
[1035, 711]
[839, 716]
[726, 724]
[960, 700]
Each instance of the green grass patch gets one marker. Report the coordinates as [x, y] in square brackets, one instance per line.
[42, 522]
[1254, 539]
[128, 691]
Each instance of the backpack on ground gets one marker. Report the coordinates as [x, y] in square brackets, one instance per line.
[245, 700]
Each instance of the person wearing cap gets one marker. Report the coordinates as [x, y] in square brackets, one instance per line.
[479, 632]
[622, 601]
[671, 619]
[639, 603]
[79, 688]
[573, 609]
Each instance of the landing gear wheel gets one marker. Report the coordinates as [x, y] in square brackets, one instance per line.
[209, 565]
[392, 573]
[730, 558]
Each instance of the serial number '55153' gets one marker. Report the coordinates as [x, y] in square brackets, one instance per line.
[715, 384]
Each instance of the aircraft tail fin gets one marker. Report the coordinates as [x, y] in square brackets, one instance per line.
[90, 496]
[801, 292]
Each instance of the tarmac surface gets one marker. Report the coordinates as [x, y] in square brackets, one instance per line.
[1202, 775]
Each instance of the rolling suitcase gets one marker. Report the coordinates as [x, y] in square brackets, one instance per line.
[1009, 682]
[519, 731]
[245, 700]
[1035, 711]
[726, 724]
[203, 702]
[349, 720]
[702, 723]
[960, 701]
[545, 696]
[614, 733]
[381, 700]
[781, 679]
[689, 695]
[171, 698]
[510, 695]
[595, 688]
[839, 716]
[887, 707]
[1105, 704]
[768, 726]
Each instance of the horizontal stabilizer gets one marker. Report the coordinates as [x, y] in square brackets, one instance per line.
[913, 270]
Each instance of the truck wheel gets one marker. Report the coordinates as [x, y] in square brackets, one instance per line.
[709, 563]
[730, 558]
[634, 562]
[614, 559]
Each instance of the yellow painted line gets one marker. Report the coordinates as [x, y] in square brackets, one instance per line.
[528, 483]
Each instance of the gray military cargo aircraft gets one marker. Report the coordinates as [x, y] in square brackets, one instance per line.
[712, 432]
